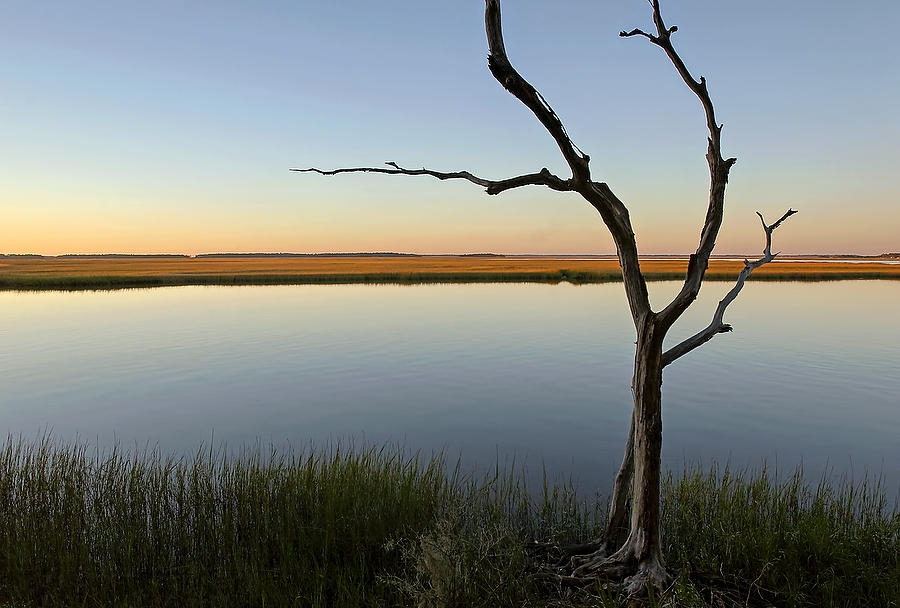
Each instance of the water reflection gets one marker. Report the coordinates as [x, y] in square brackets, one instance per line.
[538, 372]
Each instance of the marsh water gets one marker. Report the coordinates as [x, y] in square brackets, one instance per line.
[532, 373]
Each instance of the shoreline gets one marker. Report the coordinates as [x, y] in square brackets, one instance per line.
[103, 272]
[380, 526]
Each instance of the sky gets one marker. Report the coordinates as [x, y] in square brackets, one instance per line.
[170, 127]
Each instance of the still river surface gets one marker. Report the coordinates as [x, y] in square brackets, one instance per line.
[531, 372]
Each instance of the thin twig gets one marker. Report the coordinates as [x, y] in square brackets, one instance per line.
[541, 178]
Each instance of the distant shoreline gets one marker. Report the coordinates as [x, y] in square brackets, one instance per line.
[394, 254]
[118, 272]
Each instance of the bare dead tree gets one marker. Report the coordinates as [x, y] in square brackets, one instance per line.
[630, 548]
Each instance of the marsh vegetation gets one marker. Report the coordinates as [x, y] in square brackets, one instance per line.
[109, 272]
[363, 526]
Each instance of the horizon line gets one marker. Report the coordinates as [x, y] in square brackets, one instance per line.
[891, 254]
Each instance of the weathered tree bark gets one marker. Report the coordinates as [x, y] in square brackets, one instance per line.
[631, 548]
[641, 553]
[618, 521]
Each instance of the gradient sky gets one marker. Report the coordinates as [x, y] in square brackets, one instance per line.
[161, 127]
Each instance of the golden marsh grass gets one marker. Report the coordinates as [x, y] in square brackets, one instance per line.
[107, 272]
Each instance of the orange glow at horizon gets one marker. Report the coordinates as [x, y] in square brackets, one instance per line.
[97, 222]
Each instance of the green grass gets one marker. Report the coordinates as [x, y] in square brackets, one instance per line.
[831, 545]
[350, 526]
[88, 282]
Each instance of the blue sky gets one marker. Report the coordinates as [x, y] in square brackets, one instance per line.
[160, 127]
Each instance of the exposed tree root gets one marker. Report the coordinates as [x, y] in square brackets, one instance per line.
[555, 556]
[584, 565]
[583, 569]
[650, 574]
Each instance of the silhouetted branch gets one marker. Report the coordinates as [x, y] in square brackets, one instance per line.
[718, 170]
[541, 178]
[770, 229]
[512, 81]
[598, 194]
[638, 32]
[663, 39]
[717, 326]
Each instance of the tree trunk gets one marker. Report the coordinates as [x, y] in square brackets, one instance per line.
[617, 521]
[642, 548]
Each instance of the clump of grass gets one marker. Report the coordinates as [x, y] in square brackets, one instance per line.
[382, 527]
[475, 553]
[832, 545]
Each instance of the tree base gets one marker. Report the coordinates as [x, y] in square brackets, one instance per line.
[581, 569]
[584, 565]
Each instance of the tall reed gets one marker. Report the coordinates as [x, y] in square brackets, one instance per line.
[835, 544]
[362, 526]
[144, 528]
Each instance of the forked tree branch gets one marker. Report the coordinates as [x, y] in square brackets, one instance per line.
[612, 210]
[717, 325]
[512, 81]
[541, 178]
[598, 194]
[663, 39]
[719, 169]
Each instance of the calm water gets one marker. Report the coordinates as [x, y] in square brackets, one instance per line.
[538, 373]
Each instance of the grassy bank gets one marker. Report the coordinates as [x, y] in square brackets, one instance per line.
[74, 283]
[112, 273]
[377, 527]
[125, 282]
